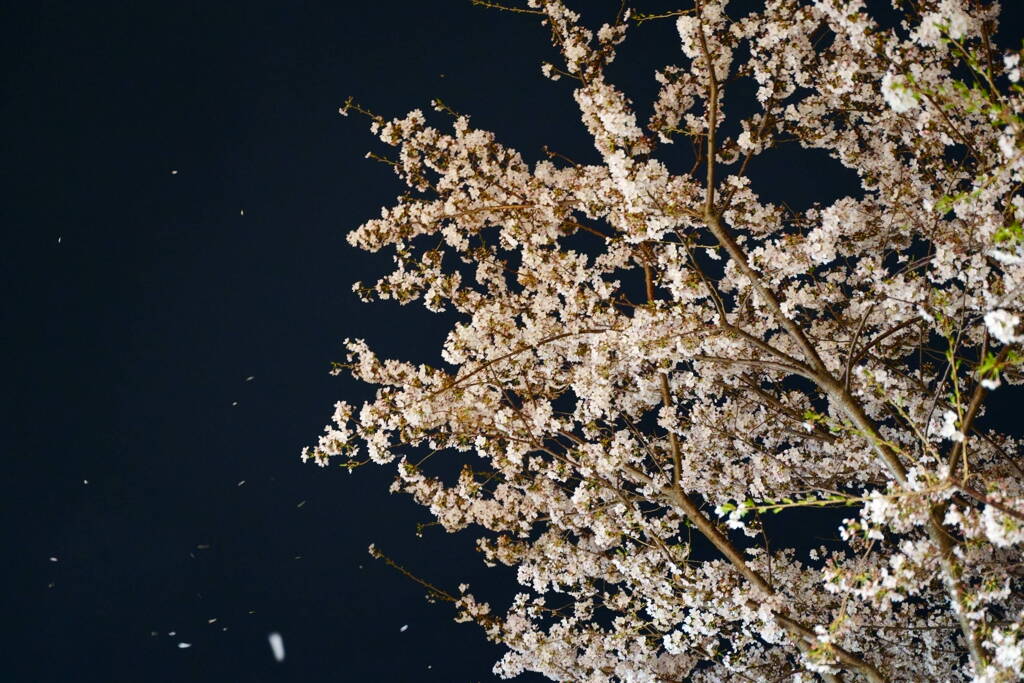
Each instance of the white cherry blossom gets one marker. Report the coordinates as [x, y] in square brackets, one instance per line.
[643, 365]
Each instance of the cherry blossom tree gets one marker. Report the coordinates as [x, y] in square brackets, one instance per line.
[644, 362]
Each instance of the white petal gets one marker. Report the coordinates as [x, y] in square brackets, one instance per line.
[277, 645]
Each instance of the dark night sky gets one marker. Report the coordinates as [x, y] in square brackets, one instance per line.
[133, 335]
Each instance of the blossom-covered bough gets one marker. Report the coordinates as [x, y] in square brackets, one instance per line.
[645, 362]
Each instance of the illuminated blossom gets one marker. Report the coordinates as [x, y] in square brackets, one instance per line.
[631, 346]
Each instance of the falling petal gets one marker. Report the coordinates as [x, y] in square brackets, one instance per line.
[277, 645]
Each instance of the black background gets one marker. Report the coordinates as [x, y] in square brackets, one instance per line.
[138, 301]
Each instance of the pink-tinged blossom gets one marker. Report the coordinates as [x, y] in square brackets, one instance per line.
[591, 403]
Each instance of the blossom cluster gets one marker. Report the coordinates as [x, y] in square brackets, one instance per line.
[643, 363]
